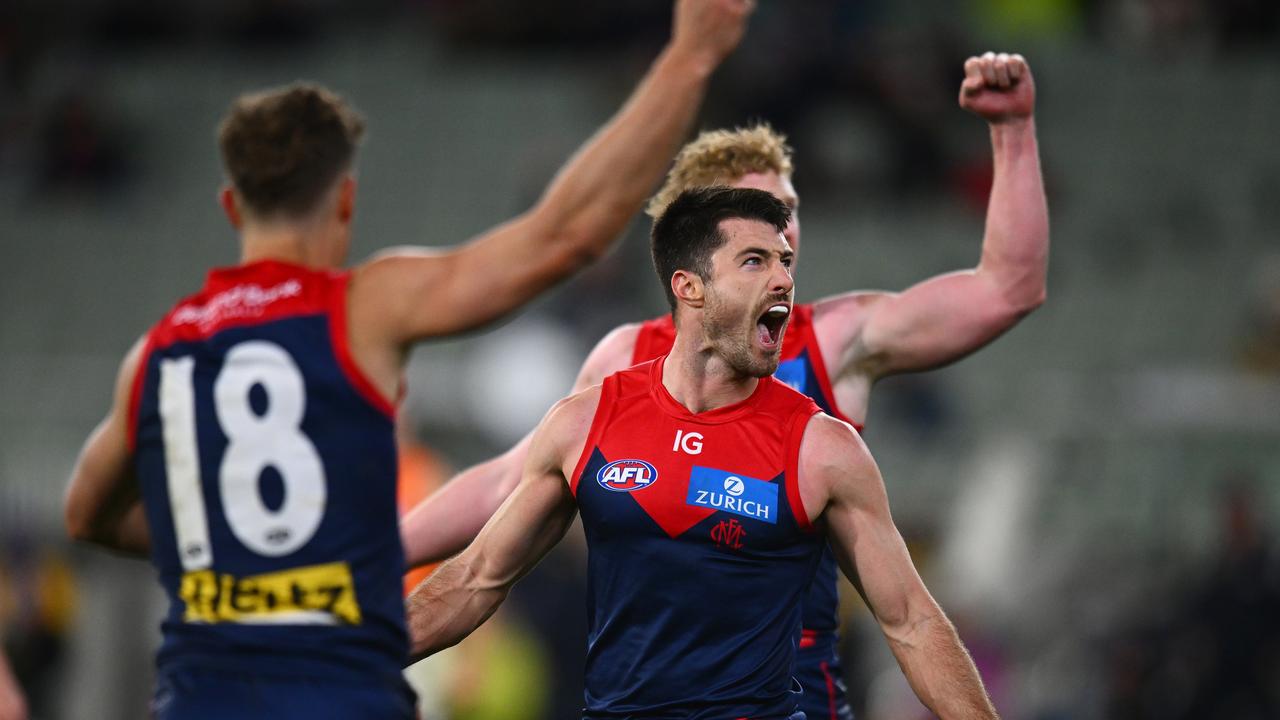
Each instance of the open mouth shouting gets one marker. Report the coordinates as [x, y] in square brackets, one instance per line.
[771, 324]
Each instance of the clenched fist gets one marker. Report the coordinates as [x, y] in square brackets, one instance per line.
[711, 28]
[998, 87]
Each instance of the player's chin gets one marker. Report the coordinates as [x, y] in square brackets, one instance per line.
[766, 362]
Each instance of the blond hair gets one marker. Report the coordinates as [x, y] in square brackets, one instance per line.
[721, 157]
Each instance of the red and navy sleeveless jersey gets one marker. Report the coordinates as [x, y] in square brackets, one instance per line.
[802, 368]
[699, 551]
[267, 463]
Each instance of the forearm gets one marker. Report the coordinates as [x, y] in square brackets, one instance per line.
[594, 197]
[939, 668]
[129, 532]
[1015, 248]
[447, 521]
[447, 607]
[125, 532]
[113, 518]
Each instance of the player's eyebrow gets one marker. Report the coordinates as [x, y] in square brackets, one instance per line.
[756, 250]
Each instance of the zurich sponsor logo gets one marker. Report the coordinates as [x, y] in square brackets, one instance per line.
[734, 486]
[733, 493]
[626, 475]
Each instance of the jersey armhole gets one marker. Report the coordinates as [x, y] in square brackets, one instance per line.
[135, 392]
[608, 389]
[820, 368]
[795, 435]
[338, 338]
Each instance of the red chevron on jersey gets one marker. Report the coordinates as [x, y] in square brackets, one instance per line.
[646, 426]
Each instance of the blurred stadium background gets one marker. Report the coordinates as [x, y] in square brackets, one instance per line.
[1094, 498]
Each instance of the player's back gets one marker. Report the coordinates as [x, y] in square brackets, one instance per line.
[268, 466]
[699, 551]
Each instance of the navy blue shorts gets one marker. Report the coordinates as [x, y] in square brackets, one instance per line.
[822, 679]
[201, 694]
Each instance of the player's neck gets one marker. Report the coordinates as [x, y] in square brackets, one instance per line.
[296, 243]
[700, 380]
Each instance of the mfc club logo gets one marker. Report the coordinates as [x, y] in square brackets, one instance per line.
[626, 475]
[728, 533]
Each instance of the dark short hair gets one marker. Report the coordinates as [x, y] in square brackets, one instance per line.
[688, 232]
[284, 148]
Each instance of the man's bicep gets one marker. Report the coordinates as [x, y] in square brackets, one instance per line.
[874, 557]
[932, 323]
[859, 525]
[432, 292]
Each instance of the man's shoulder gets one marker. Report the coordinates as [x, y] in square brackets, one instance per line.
[832, 444]
[572, 416]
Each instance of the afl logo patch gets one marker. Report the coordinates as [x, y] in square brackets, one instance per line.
[626, 475]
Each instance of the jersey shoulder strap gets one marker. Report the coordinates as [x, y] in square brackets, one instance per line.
[619, 388]
[655, 338]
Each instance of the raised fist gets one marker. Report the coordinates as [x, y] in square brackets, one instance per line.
[710, 27]
[998, 87]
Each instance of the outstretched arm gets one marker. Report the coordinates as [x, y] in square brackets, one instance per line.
[465, 591]
[103, 503]
[446, 522]
[837, 470]
[947, 317]
[424, 293]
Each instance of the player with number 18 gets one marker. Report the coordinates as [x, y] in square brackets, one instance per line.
[250, 450]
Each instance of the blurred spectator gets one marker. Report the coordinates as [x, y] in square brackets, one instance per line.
[500, 674]
[274, 24]
[1261, 351]
[1246, 23]
[1218, 653]
[80, 149]
[133, 25]
[1028, 20]
[550, 599]
[37, 609]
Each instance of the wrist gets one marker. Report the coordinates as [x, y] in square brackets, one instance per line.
[694, 63]
[1014, 124]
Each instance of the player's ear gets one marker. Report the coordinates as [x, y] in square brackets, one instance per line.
[347, 199]
[688, 288]
[230, 206]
